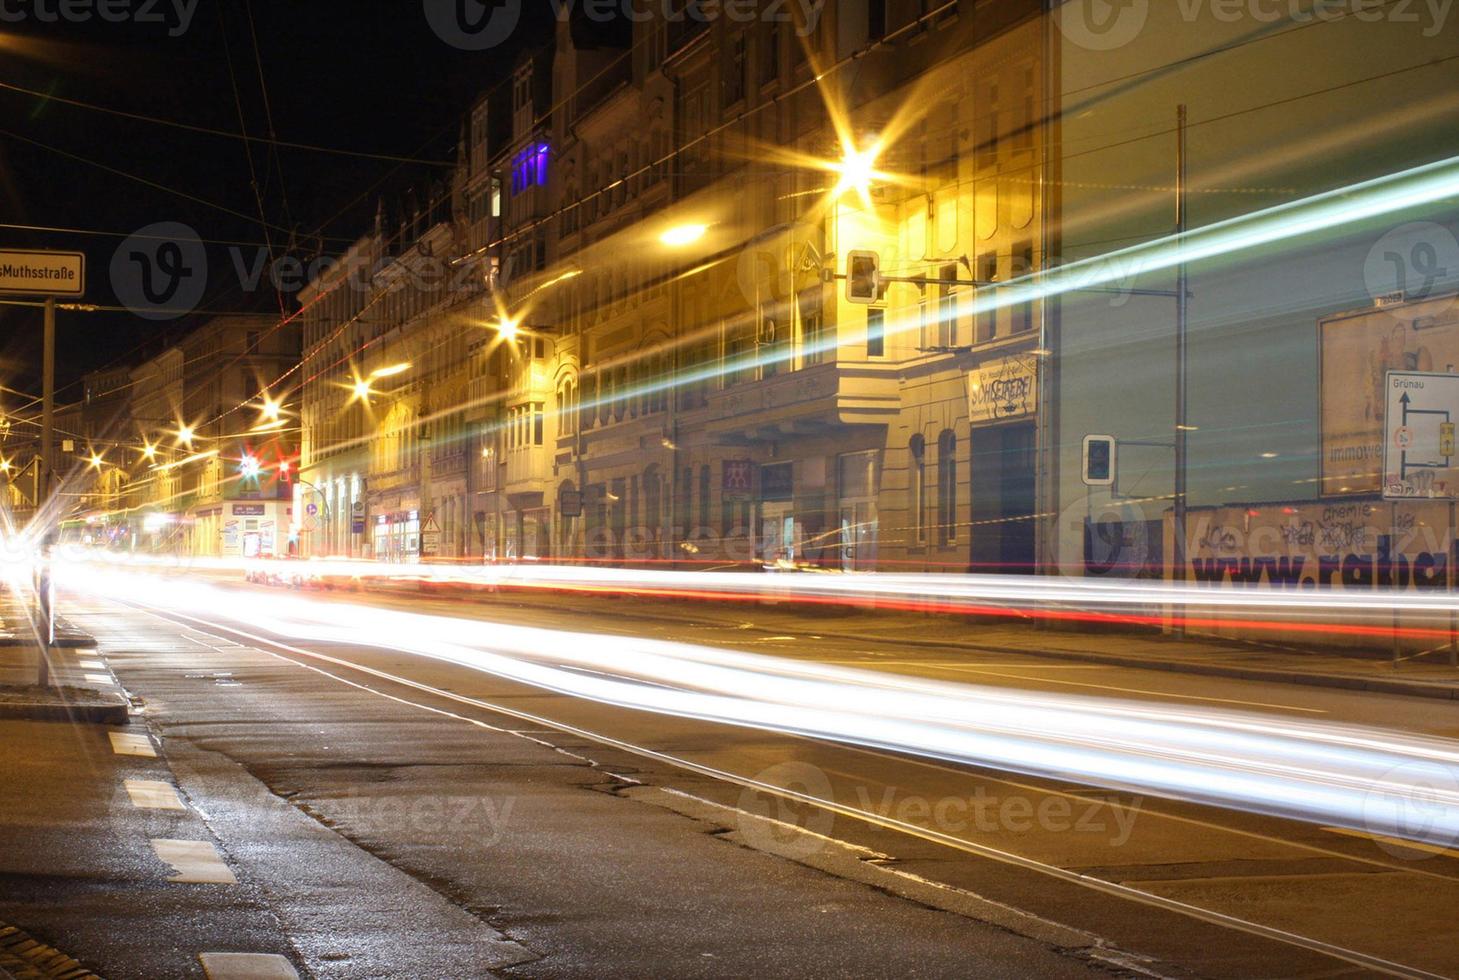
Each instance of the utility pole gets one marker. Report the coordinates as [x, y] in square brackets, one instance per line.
[45, 490]
[1181, 426]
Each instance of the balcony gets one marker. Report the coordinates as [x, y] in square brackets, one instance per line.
[528, 475]
[805, 402]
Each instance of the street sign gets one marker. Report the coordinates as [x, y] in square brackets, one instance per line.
[28, 272]
[430, 536]
[570, 503]
[1420, 412]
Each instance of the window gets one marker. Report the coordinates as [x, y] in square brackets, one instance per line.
[987, 128]
[1023, 266]
[566, 409]
[704, 497]
[251, 342]
[815, 338]
[734, 70]
[987, 318]
[537, 423]
[529, 168]
[947, 487]
[876, 20]
[917, 487]
[1023, 138]
[948, 308]
[876, 331]
[770, 44]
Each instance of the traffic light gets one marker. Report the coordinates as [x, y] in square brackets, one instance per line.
[863, 278]
[1099, 461]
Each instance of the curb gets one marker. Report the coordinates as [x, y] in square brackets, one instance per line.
[99, 714]
[67, 641]
[24, 958]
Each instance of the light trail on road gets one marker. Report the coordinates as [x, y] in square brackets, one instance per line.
[1386, 783]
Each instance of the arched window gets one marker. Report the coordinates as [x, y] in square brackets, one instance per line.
[917, 487]
[947, 487]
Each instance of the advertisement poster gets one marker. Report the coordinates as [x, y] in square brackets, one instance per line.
[1357, 352]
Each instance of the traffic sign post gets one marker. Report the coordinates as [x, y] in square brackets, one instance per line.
[30, 272]
[1421, 410]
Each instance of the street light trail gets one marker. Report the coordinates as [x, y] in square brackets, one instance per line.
[1382, 782]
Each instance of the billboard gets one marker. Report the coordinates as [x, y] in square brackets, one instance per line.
[1356, 352]
[1337, 544]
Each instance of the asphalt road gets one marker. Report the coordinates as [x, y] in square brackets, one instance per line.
[566, 837]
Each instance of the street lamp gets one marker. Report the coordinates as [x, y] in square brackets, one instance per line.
[682, 235]
[185, 435]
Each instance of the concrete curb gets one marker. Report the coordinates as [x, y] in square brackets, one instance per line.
[26, 959]
[69, 641]
[117, 713]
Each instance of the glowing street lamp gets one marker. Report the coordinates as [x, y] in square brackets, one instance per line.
[269, 409]
[149, 450]
[96, 460]
[857, 170]
[248, 466]
[185, 435]
[682, 235]
[360, 390]
[4, 465]
[508, 328]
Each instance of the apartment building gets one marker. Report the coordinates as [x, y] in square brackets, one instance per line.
[647, 357]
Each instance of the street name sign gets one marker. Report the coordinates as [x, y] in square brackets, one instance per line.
[1420, 413]
[28, 272]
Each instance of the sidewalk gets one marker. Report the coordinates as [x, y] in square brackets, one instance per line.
[81, 687]
[16, 616]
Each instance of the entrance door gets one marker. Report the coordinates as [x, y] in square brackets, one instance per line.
[777, 532]
[1003, 483]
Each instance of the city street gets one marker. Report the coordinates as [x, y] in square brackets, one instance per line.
[551, 828]
[729, 489]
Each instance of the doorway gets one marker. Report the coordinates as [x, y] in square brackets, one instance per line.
[1003, 487]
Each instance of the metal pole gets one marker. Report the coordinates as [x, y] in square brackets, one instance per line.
[45, 490]
[1181, 428]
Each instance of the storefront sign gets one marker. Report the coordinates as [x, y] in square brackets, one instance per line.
[248, 510]
[1003, 389]
[570, 503]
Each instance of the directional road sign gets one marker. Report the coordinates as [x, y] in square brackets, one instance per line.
[1418, 436]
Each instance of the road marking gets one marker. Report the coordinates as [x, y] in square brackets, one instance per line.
[1056, 872]
[1411, 845]
[123, 743]
[153, 794]
[93, 665]
[196, 862]
[98, 678]
[246, 966]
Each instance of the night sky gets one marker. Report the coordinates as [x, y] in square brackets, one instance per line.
[365, 77]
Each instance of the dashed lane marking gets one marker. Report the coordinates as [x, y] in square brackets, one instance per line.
[125, 743]
[99, 678]
[153, 794]
[93, 665]
[246, 966]
[196, 862]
